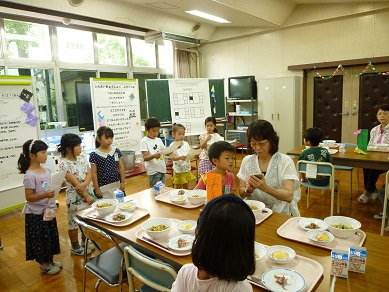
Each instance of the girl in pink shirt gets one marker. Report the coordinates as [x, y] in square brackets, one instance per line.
[221, 154]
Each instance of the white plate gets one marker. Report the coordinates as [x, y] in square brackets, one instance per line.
[295, 282]
[312, 235]
[172, 242]
[175, 192]
[333, 151]
[260, 250]
[110, 216]
[306, 221]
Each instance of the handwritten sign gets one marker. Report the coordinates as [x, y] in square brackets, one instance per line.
[18, 123]
[214, 186]
[116, 105]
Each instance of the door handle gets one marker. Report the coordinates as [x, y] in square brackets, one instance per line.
[354, 113]
[344, 114]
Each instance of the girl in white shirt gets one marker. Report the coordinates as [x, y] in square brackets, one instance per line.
[181, 168]
[223, 250]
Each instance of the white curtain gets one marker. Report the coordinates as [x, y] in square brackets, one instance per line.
[186, 64]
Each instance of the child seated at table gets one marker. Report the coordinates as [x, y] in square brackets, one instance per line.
[223, 250]
[312, 138]
[221, 154]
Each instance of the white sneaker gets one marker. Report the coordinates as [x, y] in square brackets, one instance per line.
[91, 246]
[373, 196]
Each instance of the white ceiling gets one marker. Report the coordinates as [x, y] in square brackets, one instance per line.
[241, 13]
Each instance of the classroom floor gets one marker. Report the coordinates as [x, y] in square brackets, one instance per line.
[18, 275]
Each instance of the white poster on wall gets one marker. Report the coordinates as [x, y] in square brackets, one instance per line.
[19, 122]
[189, 103]
[116, 105]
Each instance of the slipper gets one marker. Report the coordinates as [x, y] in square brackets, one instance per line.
[363, 198]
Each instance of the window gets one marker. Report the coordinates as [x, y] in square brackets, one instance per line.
[45, 92]
[75, 46]
[27, 40]
[143, 54]
[165, 56]
[2, 71]
[111, 49]
[112, 75]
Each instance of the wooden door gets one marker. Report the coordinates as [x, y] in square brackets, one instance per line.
[327, 112]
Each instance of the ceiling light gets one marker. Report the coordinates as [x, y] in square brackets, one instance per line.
[207, 16]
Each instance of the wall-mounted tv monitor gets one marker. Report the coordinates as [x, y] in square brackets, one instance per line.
[84, 106]
[242, 87]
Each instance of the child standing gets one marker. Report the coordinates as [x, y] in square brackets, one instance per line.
[150, 146]
[206, 139]
[42, 240]
[79, 192]
[221, 154]
[181, 168]
[312, 138]
[223, 250]
[106, 162]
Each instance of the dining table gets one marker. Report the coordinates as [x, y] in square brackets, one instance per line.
[267, 233]
[372, 159]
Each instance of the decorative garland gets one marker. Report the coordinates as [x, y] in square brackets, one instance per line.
[340, 67]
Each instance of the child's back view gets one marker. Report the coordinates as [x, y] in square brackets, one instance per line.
[312, 138]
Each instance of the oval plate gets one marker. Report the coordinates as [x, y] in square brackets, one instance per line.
[303, 222]
[109, 217]
[172, 242]
[294, 281]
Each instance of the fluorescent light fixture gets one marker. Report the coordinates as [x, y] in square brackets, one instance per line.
[207, 16]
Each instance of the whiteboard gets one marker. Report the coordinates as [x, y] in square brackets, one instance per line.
[19, 122]
[189, 103]
[115, 103]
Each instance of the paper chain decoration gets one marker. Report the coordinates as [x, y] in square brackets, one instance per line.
[340, 67]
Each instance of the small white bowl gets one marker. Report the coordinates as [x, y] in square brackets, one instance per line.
[311, 224]
[177, 199]
[259, 251]
[320, 237]
[127, 206]
[280, 254]
[335, 224]
[156, 222]
[105, 206]
[255, 206]
[196, 197]
[187, 226]
[331, 143]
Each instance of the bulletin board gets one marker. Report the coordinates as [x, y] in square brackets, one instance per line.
[115, 104]
[19, 122]
[158, 98]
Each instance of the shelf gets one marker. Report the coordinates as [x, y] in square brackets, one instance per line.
[242, 115]
[240, 100]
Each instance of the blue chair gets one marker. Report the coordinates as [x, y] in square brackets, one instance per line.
[350, 169]
[156, 275]
[322, 169]
[108, 266]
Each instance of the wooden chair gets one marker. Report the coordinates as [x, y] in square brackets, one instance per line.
[156, 275]
[385, 203]
[108, 266]
[323, 169]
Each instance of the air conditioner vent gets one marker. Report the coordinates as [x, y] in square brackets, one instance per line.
[155, 36]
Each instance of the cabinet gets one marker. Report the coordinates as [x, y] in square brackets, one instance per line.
[279, 102]
[240, 114]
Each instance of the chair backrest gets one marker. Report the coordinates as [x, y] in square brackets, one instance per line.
[323, 168]
[85, 226]
[153, 273]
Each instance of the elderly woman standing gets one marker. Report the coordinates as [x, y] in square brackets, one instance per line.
[379, 134]
[267, 175]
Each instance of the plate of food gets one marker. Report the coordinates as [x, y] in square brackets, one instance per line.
[181, 242]
[320, 237]
[281, 280]
[118, 217]
[311, 224]
[177, 192]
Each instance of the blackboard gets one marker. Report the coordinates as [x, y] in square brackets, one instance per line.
[158, 100]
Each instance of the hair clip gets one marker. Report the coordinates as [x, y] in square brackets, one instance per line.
[30, 147]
